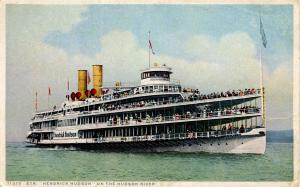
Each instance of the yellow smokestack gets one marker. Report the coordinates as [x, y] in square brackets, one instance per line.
[98, 79]
[82, 84]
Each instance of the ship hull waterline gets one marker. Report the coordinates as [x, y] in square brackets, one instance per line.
[229, 144]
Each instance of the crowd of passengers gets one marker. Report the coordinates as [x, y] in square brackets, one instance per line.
[188, 115]
[226, 130]
[220, 112]
[196, 95]
[230, 130]
[109, 107]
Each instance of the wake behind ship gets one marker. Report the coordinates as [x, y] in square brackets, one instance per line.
[156, 116]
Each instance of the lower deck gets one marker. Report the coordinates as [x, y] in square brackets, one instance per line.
[253, 141]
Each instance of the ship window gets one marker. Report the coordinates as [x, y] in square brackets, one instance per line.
[166, 75]
[151, 88]
[179, 88]
[165, 88]
[176, 88]
[161, 89]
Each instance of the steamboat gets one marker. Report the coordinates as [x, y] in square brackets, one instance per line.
[158, 115]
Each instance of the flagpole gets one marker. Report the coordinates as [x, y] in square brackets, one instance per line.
[263, 107]
[68, 88]
[149, 48]
[261, 85]
[49, 93]
[36, 107]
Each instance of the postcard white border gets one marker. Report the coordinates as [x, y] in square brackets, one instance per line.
[296, 84]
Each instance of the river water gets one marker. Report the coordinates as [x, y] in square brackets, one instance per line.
[31, 163]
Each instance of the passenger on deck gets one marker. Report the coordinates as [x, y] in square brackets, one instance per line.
[242, 129]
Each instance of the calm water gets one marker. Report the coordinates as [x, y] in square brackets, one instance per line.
[28, 163]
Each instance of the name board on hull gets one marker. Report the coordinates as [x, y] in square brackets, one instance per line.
[65, 134]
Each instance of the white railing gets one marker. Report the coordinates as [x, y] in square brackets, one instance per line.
[177, 117]
[158, 120]
[174, 136]
[257, 93]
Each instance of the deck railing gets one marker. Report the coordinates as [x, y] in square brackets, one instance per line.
[172, 136]
[111, 97]
[177, 117]
[165, 119]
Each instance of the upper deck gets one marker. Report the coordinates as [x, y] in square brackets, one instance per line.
[191, 99]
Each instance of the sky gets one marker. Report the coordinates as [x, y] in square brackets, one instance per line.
[209, 47]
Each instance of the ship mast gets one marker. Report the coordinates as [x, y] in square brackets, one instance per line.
[149, 48]
[262, 90]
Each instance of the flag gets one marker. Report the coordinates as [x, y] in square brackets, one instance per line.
[263, 35]
[150, 46]
[36, 95]
[88, 79]
[68, 85]
[49, 91]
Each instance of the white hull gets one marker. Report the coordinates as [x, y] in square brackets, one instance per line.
[253, 141]
[255, 145]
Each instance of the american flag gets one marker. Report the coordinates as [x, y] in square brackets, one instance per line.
[263, 35]
[150, 45]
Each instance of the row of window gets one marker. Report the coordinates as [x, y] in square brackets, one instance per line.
[66, 122]
[155, 74]
[159, 88]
